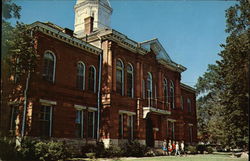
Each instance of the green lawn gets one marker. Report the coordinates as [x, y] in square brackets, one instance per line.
[205, 157]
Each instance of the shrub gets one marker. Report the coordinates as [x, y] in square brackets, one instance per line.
[134, 149]
[210, 150]
[201, 148]
[88, 148]
[27, 149]
[113, 151]
[8, 149]
[192, 149]
[50, 151]
[100, 149]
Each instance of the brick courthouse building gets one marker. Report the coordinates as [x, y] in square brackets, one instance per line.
[96, 83]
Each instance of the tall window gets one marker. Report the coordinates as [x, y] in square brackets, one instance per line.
[120, 126]
[190, 134]
[119, 77]
[91, 125]
[49, 66]
[80, 81]
[45, 120]
[79, 124]
[172, 94]
[130, 81]
[171, 129]
[92, 78]
[14, 113]
[149, 88]
[143, 89]
[189, 105]
[165, 92]
[130, 127]
[182, 105]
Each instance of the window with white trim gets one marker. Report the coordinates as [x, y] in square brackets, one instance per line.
[171, 129]
[189, 105]
[182, 104]
[49, 62]
[80, 81]
[91, 124]
[45, 117]
[172, 95]
[165, 92]
[120, 126]
[143, 89]
[119, 77]
[149, 89]
[14, 114]
[130, 81]
[190, 134]
[79, 124]
[92, 79]
[130, 127]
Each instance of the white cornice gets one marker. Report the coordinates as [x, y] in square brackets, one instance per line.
[188, 87]
[122, 40]
[173, 66]
[57, 34]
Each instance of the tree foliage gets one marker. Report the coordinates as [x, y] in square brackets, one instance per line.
[225, 86]
[18, 58]
[10, 10]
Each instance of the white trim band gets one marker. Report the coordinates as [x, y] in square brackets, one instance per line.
[92, 109]
[80, 107]
[171, 120]
[126, 112]
[47, 102]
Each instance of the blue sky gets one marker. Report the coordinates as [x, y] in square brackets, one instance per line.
[190, 31]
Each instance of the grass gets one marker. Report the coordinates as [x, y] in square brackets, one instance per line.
[200, 157]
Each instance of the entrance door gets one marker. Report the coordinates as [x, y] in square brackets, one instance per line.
[149, 132]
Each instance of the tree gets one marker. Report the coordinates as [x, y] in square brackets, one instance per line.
[223, 109]
[10, 10]
[18, 60]
[234, 71]
[210, 124]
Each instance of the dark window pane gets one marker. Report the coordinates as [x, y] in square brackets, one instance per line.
[45, 120]
[91, 83]
[119, 81]
[120, 126]
[48, 69]
[129, 84]
[80, 76]
[91, 125]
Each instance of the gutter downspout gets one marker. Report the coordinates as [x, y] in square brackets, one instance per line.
[25, 104]
[99, 97]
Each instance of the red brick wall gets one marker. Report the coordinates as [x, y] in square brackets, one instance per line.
[63, 90]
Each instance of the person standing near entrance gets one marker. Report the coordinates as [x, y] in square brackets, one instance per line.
[169, 147]
[164, 147]
[173, 147]
[182, 148]
[177, 149]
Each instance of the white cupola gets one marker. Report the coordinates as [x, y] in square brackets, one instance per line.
[100, 10]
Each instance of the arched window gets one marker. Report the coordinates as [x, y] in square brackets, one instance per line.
[143, 89]
[92, 78]
[119, 77]
[165, 92]
[49, 61]
[130, 81]
[149, 88]
[80, 80]
[189, 105]
[172, 94]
